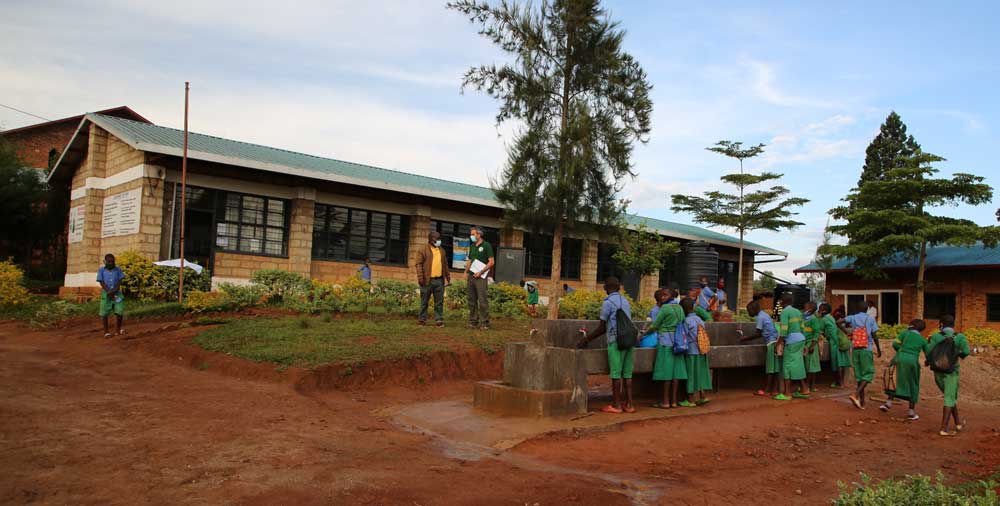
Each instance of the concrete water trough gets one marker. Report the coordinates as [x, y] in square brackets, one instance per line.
[547, 376]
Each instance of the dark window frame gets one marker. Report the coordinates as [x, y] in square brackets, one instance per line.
[538, 257]
[940, 299]
[396, 250]
[993, 307]
[222, 203]
[450, 229]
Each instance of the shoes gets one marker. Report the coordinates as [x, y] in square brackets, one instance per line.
[439, 324]
[781, 397]
[421, 323]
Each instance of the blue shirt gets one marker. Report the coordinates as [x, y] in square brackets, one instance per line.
[570, 289]
[111, 278]
[688, 329]
[765, 324]
[366, 272]
[609, 307]
[863, 319]
[704, 296]
[720, 294]
[653, 312]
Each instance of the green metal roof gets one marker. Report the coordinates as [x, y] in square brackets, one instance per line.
[937, 256]
[158, 139]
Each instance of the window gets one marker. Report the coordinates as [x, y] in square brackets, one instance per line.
[251, 224]
[344, 234]
[993, 307]
[450, 230]
[538, 256]
[606, 264]
[938, 304]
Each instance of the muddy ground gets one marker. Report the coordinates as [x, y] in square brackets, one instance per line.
[153, 420]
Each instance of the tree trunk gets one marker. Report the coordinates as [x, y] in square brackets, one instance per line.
[556, 272]
[919, 306]
[739, 278]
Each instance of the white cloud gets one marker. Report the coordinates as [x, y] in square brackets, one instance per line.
[765, 87]
[831, 125]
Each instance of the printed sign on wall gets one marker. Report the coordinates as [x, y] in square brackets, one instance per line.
[76, 217]
[460, 251]
[121, 213]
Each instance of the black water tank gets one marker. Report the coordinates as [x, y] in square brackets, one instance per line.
[800, 294]
[697, 259]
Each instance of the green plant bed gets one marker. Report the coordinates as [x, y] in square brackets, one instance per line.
[313, 341]
[922, 490]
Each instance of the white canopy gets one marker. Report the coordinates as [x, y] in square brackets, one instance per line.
[176, 263]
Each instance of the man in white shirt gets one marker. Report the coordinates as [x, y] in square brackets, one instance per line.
[872, 310]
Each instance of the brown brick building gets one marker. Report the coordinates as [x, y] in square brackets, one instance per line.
[962, 281]
[250, 207]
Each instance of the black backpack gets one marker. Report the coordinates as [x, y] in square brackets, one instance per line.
[626, 333]
[944, 356]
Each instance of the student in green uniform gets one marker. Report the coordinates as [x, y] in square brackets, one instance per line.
[811, 327]
[532, 288]
[862, 359]
[668, 368]
[794, 343]
[948, 382]
[772, 366]
[908, 345]
[840, 360]
[699, 375]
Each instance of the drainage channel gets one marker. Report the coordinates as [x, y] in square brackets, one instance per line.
[640, 492]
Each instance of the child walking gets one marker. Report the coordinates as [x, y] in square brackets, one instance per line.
[948, 382]
[840, 359]
[772, 365]
[699, 376]
[812, 328]
[908, 345]
[793, 342]
[862, 360]
[668, 367]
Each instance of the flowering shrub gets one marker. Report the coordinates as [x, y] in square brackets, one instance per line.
[983, 337]
[203, 302]
[242, 296]
[12, 289]
[277, 283]
[147, 281]
[586, 305]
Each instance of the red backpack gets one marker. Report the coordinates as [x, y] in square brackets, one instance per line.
[859, 336]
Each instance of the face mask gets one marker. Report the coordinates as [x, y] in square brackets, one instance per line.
[473, 237]
[437, 243]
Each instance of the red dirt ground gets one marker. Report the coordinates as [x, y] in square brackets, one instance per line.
[153, 420]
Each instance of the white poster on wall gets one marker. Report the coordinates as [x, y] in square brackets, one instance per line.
[121, 213]
[460, 251]
[76, 217]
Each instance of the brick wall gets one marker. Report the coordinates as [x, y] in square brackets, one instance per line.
[970, 287]
[33, 145]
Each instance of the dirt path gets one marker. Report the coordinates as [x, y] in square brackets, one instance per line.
[89, 421]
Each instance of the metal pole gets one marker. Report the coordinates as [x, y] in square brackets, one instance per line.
[184, 164]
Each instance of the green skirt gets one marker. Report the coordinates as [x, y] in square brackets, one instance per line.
[699, 376]
[668, 366]
[812, 360]
[772, 364]
[863, 362]
[907, 377]
[839, 359]
[793, 363]
[948, 383]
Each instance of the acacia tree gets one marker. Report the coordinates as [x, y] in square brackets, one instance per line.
[644, 252]
[579, 102]
[892, 216]
[744, 211]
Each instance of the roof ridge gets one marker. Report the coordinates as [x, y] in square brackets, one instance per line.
[115, 118]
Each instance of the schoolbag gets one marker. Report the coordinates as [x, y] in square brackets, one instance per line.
[626, 333]
[681, 339]
[703, 343]
[944, 356]
[859, 336]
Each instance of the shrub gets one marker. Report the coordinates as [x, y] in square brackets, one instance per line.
[742, 316]
[146, 281]
[397, 296]
[277, 283]
[12, 289]
[54, 312]
[916, 490]
[320, 297]
[168, 279]
[983, 337]
[456, 296]
[202, 302]
[586, 305]
[355, 294]
[891, 331]
[242, 296]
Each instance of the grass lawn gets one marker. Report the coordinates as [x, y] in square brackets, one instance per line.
[313, 341]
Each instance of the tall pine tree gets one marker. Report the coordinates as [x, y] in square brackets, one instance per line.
[886, 151]
[580, 102]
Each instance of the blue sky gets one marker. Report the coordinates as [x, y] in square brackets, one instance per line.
[378, 82]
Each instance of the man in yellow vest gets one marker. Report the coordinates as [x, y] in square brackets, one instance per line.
[432, 276]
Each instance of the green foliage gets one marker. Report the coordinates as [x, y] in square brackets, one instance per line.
[586, 305]
[644, 252]
[21, 188]
[12, 289]
[764, 283]
[887, 149]
[146, 281]
[916, 490]
[891, 331]
[204, 302]
[580, 101]
[397, 296]
[742, 316]
[168, 281]
[278, 283]
[506, 300]
[242, 296]
[983, 337]
[56, 311]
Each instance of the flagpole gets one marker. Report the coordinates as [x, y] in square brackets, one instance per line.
[184, 163]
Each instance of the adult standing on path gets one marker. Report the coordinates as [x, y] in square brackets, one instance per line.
[480, 252]
[110, 277]
[432, 276]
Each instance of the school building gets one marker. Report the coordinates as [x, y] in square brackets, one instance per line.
[961, 281]
[250, 207]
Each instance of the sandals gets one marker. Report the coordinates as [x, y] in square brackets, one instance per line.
[946, 433]
[960, 426]
[107, 335]
[657, 405]
[760, 393]
[702, 402]
[686, 404]
[856, 402]
[781, 397]
[629, 409]
[611, 409]
[884, 407]
[121, 332]
[914, 417]
[800, 395]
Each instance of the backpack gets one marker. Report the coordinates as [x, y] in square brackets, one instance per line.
[703, 343]
[859, 336]
[944, 357]
[681, 339]
[844, 343]
[626, 333]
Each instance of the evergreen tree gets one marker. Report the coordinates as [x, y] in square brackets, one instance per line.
[765, 282]
[892, 215]
[580, 102]
[888, 149]
[766, 209]
[644, 252]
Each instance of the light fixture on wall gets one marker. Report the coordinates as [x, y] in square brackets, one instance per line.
[154, 181]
